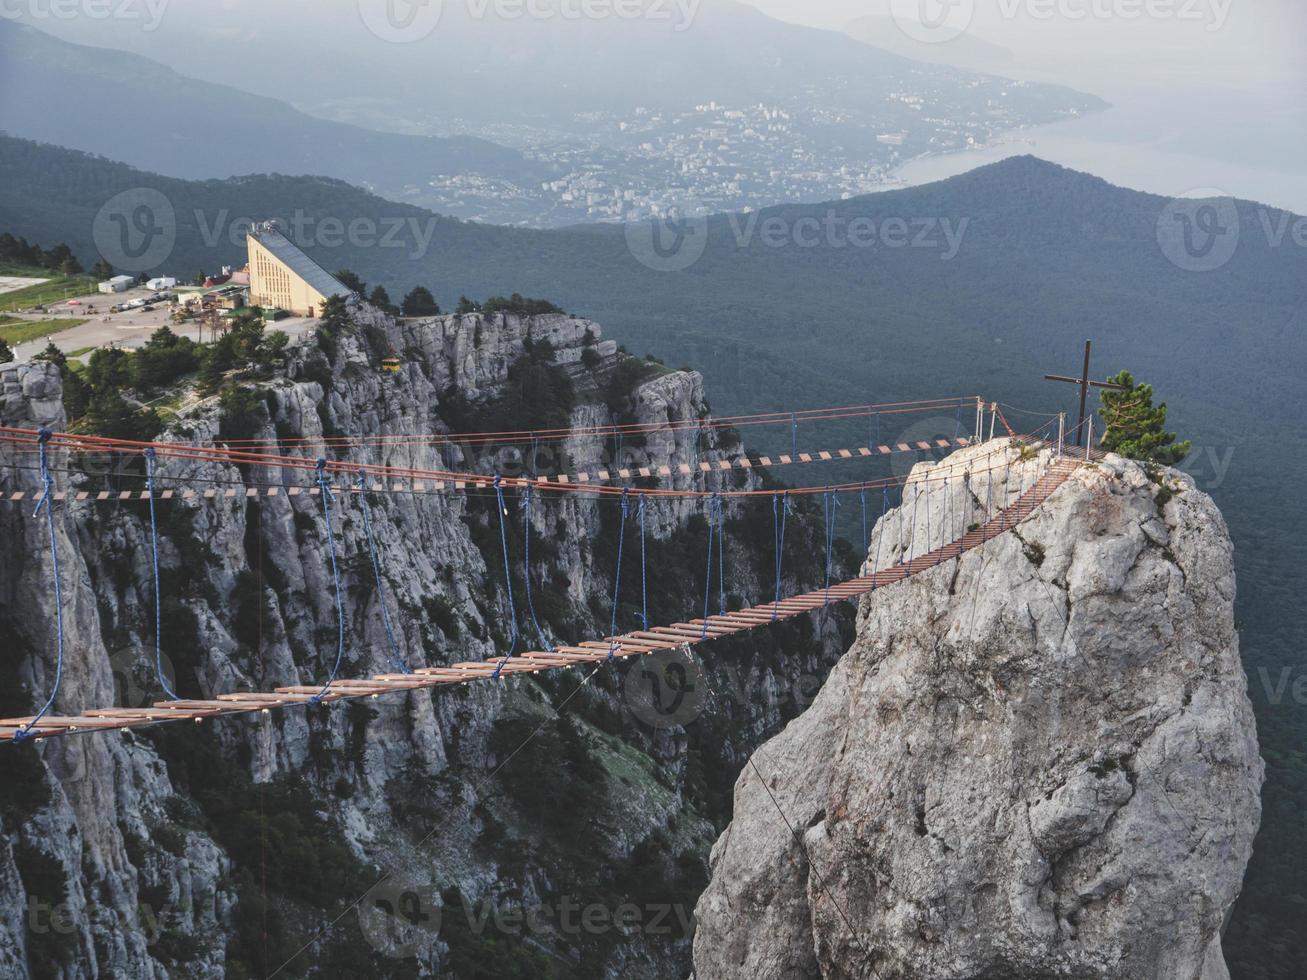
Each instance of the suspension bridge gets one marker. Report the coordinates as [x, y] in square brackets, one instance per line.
[634, 486]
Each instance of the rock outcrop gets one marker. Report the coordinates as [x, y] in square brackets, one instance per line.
[1036, 761]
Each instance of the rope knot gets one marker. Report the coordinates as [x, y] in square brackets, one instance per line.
[150, 454]
[44, 435]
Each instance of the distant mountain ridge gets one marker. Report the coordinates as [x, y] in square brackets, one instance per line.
[130, 108]
[606, 118]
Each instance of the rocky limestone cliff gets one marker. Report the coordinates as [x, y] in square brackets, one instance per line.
[234, 847]
[1036, 761]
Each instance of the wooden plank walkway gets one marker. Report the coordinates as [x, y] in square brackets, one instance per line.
[634, 644]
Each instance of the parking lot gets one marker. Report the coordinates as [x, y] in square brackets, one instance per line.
[128, 329]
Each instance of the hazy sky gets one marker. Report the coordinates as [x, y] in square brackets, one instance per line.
[1260, 38]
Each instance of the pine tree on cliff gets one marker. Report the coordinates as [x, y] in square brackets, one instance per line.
[1135, 428]
[420, 302]
[6, 355]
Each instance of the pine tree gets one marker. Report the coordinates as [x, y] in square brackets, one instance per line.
[1135, 428]
[102, 270]
[352, 282]
[6, 354]
[420, 302]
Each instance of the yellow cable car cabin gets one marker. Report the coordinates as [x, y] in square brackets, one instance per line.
[391, 365]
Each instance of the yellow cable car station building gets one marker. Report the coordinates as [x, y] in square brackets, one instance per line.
[283, 277]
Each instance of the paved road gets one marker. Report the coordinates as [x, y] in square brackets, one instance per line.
[11, 284]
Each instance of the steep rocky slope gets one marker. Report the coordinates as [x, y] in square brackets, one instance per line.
[235, 848]
[1036, 761]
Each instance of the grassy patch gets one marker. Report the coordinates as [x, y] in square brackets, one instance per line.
[21, 331]
[56, 290]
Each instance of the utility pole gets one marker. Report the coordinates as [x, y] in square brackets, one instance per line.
[1085, 384]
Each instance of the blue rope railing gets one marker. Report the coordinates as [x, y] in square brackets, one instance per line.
[884, 509]
[43, 438]
[324, 489]
[396, 660]
[830, 503]
[707, 587]
[617, 576]
[151, 460]
[644, 574]
[780, 509]
[866, 539]
[527, 496]
[508, 576]
[721, 555]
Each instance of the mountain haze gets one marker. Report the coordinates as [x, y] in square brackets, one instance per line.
[130, 108]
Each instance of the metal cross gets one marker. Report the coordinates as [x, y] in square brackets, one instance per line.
[1085, 384]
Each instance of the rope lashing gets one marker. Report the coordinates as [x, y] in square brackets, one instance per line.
[617, 576]
[396, 660]
[324, 487]
[151, 460]
[830, 503]
[794, 436]
[644, 574]
[780, 509]
[527, 496]
[508, 576]
[43, 437]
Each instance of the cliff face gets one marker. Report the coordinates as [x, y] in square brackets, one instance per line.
[228, 849]
[1036, 761]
